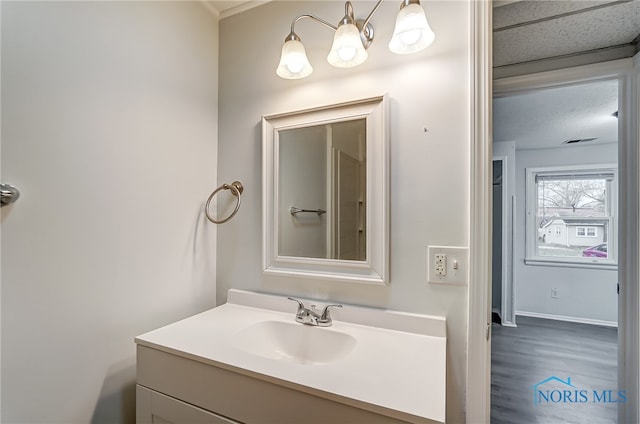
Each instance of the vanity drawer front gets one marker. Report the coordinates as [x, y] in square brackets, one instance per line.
[247, 399]
[155, 408]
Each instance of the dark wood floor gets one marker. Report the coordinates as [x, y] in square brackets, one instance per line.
[539, 349]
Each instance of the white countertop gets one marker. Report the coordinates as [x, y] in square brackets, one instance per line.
[397, 365]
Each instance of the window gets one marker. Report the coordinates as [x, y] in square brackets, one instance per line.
[586, 232]
[580, 204]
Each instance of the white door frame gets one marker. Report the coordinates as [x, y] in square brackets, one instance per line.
[479, 347]
[629, 252]
[478, 372]
[507, 304]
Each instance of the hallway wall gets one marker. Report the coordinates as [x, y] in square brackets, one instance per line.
[584, 293]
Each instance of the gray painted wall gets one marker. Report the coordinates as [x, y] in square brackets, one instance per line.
[303, 184]
[583, 293]
[429, 170]
[109, 128]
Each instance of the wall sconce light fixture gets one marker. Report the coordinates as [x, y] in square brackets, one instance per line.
[352, 38]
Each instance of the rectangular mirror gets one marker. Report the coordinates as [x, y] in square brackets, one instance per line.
[325, 192]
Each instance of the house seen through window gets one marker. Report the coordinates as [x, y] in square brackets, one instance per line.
[571, 215]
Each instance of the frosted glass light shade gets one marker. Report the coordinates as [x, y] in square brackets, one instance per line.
[347, 49]
[293, 61]
[412, 32]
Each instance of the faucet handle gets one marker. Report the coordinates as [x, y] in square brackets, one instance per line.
[300, 304]
[325, 312]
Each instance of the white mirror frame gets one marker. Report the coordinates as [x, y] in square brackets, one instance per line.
[375, 269]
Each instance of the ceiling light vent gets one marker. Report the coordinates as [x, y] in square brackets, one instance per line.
[578, 140]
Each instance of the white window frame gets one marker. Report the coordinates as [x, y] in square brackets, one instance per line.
[531, 255]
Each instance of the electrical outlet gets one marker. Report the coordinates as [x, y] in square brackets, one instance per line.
[441, 264]
[554, 293]
[447, 264]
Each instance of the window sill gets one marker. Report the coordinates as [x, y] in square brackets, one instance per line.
[571, 264]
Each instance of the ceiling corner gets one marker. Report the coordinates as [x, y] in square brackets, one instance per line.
[225, 8]
[210, 6]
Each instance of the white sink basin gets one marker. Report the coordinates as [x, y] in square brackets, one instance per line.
[294, 342]
[383, 361]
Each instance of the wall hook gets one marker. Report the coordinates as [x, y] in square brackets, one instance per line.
[8, 194]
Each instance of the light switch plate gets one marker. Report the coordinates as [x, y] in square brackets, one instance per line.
[456, 263]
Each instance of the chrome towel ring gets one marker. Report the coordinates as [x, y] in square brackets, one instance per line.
[236, 189]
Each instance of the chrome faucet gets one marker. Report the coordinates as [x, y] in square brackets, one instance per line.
[311, 316]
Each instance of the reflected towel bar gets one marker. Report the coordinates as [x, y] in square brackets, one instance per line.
[295, 210]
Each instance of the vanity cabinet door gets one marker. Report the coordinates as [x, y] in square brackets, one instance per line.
[155, 408]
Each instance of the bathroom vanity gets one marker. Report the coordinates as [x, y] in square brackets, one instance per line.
[248, 361]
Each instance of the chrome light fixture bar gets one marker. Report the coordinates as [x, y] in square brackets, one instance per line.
[353, 37]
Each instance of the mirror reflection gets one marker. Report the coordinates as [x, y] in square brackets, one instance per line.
[322, 191]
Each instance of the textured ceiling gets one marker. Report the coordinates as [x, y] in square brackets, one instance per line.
[532, 36]
[547, 118]
[533, 30]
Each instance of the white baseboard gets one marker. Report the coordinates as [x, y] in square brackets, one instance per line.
[503, 322]
[567, 318]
